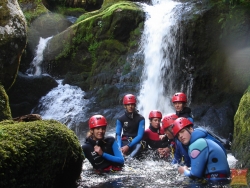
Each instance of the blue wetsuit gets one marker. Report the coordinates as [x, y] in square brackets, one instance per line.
[208, 159]
[181, 154]
[132, 125]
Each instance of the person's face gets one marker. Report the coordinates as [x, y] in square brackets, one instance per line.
[178, 106]
[155, 122]
[98, 132]
[169, 132]
[184, 135]
[129, 107]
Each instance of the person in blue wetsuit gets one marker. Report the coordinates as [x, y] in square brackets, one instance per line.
[155, 137]
[130, 128]
[102, 152]
[180, 151]
[180, 104]
[208, 159]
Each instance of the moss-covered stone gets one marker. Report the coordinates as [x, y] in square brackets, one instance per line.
[241, 141]
[38, 154]
[95, 43]
[5, 112]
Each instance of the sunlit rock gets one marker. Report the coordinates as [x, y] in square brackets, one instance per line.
[12, 40]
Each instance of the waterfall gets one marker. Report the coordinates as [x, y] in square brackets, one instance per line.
[36, 63]
[64, 103]
[159, 46]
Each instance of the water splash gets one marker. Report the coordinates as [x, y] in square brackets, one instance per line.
[64, 103]
[35, 68]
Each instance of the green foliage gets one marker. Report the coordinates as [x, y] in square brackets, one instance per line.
[38, 154]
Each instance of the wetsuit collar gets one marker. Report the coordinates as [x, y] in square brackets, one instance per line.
[131, 114]
[155, 130]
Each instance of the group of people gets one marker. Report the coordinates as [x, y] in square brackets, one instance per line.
[198, 154]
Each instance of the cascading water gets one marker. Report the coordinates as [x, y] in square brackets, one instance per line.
[159, 46]
[36, 63]
[64, 103]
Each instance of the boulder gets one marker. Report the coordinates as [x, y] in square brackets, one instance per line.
[39, 154]
[5, 112]
[12, 41]
[29, 90]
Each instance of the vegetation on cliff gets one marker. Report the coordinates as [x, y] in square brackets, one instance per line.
[38, 154]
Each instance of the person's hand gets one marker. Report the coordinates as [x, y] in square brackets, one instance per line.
[124, 149]
[98, 150]
[181, 169]
[161, 137]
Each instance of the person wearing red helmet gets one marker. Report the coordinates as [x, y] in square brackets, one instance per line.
[130, 128]
[154, 135]
[179, 151]
[102, 152]
[180, 101]
[208, 159]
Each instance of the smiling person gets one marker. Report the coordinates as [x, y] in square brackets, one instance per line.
[180, 104]
[208, 159]
[130, 128]
[102, 152]
[154, 135]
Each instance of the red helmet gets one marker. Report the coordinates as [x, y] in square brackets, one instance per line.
[179, 97]
[129, 99]
[168, 120]
[155, 114]
[179, 124]
[97, 121]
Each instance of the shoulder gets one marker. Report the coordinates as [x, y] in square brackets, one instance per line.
[199, 144]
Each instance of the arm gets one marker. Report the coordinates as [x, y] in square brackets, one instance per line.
[198, 152]
[118, 133]
[117, 157]
[140, 133]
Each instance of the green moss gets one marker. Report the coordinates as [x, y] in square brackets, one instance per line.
[241, 140]
[5, 112]
[38, 154]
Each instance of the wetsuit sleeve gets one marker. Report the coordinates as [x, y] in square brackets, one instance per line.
[177, 154]
[118, 133]
[198, 152]
[140, 133]
[117, 157]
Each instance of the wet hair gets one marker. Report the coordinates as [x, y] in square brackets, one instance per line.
[89, 134]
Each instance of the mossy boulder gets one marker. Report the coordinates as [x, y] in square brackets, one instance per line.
[12, 41]
[241, 141]
[5, 112]
[38, 154]
[95, 44]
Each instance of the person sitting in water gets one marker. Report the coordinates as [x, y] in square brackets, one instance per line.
[130, 128]
[180, 104]
[179, 151]
[154, 135]
[208, 160]
[102, 152]
[180, 101]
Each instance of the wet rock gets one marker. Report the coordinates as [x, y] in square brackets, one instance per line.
[29, 90]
